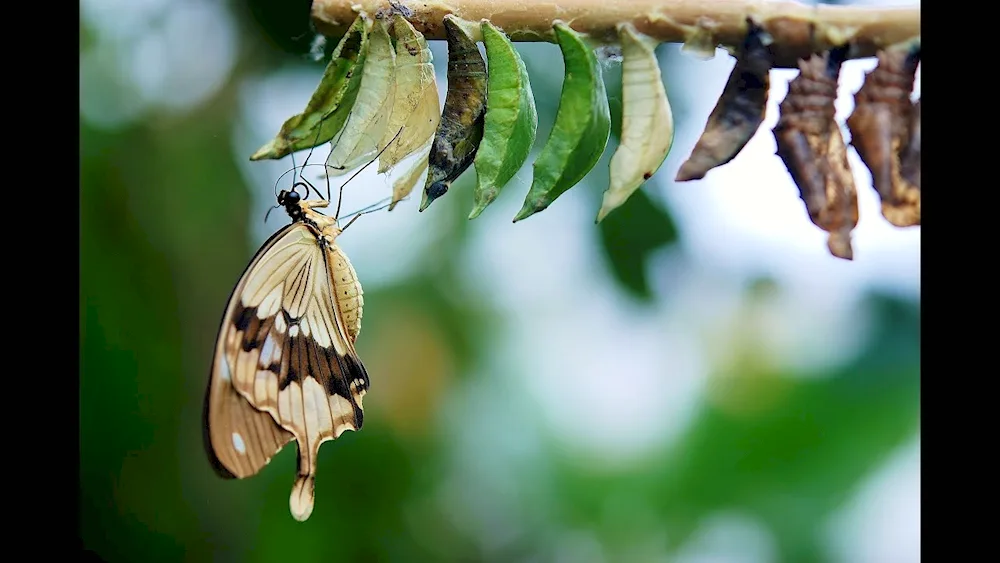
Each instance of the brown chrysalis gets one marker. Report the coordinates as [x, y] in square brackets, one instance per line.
[881, 128]
[910, 159]
[813, 150]
[739, 111]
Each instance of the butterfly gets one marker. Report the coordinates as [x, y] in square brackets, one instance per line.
[285, 366]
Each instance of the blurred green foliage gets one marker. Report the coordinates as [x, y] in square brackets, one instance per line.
[285, 25]
[164, 216]
[630, 234]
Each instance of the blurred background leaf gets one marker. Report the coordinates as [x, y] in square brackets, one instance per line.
[630, 234]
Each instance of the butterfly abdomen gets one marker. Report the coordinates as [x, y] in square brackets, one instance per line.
[347, 289]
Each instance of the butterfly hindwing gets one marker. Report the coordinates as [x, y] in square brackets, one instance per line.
[239, 438]
[290, 354]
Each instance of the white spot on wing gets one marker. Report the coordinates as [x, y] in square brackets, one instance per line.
[293, 331]
[267, 350]
[358, 390]
[238, 443]
[224, 369]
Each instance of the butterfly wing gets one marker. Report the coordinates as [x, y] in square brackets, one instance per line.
[239, 438]
[289, 353]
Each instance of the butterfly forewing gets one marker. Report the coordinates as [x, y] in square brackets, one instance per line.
[239, 438]
[285, 350]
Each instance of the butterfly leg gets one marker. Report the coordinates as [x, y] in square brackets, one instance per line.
[314, 203]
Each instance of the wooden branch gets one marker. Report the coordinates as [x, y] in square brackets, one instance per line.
[798, 29]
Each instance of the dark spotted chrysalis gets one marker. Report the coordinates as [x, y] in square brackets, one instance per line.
[739, 111]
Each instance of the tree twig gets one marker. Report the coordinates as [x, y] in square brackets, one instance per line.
[798, 29]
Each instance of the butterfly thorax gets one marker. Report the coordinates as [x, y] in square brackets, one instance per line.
[347, 289]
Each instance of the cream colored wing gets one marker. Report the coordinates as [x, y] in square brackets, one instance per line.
[289, 352]
[239, 438]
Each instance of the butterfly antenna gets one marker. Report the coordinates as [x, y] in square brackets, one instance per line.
[297, 168]
[340, 196]
[268, 214]
[295, 184]
[333, 145]
[278, 181]
[302, 177]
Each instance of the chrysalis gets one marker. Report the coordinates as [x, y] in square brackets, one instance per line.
[739, 111]
[910, 165]
[880, 128]
[582, 127]
[510, 122]
[461, 127]
[415, 104]
[812, 148]
[369, 117]
[647, 129]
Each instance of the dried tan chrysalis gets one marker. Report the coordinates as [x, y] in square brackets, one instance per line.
[885, 129]
[910, 159]
[813, 150]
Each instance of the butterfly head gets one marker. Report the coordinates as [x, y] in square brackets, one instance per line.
[291, 200]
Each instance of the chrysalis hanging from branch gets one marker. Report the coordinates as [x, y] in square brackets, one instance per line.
[647, 130]
[910, 165]
[510, 122]
[415, 105]
[494, 128]
[813, 150]
[360, 136]
[581, 129]
[331, 102]
[739, 111]
[880, 128]
[461, 127]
